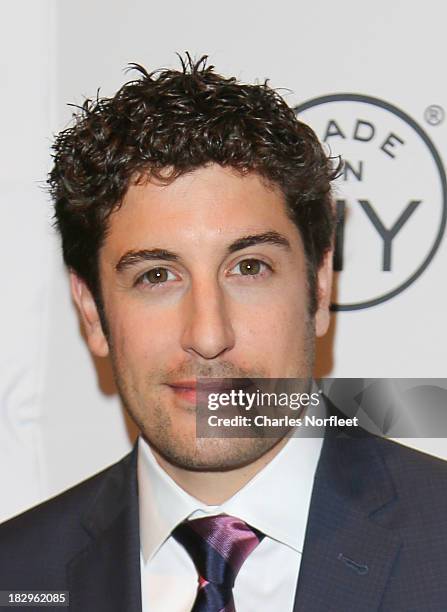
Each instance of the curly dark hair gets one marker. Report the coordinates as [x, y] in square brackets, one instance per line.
[178, 121]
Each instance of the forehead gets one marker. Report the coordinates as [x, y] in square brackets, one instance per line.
[208, 206]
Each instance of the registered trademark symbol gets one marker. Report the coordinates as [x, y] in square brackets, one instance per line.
[434, 114]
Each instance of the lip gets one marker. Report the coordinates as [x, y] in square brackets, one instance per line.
[190, 390]
[213, 384]
[184, 384]
[185, 390]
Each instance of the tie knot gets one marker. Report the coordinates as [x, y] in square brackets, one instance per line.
[218, 546]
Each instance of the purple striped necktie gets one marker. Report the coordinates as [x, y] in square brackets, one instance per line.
[218, 546]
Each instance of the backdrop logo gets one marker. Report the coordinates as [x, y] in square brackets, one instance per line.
[391, 197]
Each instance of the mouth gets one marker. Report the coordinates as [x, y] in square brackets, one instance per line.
[188, 390]
[185, 389]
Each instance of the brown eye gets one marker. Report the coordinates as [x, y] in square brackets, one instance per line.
[250, 267]
[157, 275]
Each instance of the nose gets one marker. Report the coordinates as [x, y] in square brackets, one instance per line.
[207, 332]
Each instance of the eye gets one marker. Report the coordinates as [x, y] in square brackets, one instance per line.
[156, 276]
[251, 267]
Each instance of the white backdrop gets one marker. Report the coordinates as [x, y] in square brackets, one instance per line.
[60, 419]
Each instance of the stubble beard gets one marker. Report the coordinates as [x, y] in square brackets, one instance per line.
[181, 448]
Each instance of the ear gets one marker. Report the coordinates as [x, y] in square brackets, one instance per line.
[324, 289]
[88, 311]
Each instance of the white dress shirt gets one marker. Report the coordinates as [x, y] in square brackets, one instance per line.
[276, 501]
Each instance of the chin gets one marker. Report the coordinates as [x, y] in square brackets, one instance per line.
[214, 454]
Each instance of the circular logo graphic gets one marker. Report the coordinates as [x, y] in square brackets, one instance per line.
[391, 197]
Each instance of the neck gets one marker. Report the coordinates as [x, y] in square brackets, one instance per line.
[214, 488]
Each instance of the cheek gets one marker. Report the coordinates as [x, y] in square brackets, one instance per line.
[141, 336]
[277, 332]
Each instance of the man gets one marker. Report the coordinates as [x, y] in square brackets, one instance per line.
[197, 224]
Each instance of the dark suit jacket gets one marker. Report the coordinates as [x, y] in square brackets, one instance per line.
[376, 536]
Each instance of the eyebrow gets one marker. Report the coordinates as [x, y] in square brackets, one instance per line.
[132, 258]
[265, 238]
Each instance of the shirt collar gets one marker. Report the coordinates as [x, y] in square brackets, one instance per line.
[276, 501]
[162, 503]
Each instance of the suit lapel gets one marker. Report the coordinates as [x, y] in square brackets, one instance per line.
[105, 576]
[348, 553]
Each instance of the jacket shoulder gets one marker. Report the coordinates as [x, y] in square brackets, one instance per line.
[420, 484]
[413, 466]
[52, 532]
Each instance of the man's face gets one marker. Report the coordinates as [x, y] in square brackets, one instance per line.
[204, 277]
